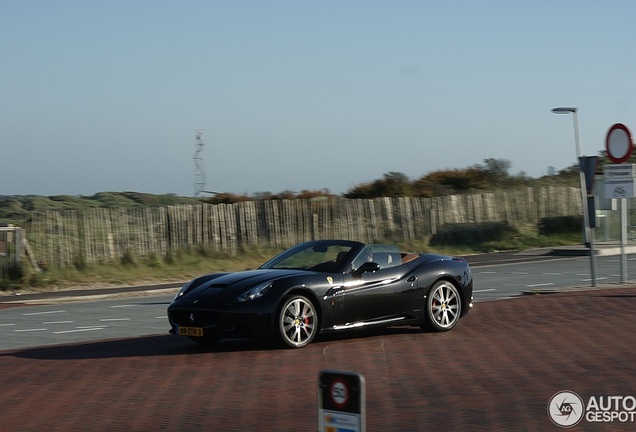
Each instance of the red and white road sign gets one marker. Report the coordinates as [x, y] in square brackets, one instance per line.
[619, 143]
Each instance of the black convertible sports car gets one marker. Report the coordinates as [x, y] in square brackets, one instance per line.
[325, 285]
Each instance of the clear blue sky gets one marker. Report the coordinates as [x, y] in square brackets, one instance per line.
[100, 96]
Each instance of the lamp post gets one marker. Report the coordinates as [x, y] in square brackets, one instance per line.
[589, 234]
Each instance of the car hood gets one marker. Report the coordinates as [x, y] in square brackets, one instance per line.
[229, 285]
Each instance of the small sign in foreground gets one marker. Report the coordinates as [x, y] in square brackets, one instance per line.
[341, 402]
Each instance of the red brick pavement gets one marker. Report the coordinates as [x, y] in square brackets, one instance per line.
[496, 371]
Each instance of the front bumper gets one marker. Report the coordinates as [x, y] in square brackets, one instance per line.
[243, 322]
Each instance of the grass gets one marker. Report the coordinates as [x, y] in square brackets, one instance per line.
[185, 266]
[464, 239]
[179, 268]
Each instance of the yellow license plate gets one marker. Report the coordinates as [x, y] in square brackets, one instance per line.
[191, 331]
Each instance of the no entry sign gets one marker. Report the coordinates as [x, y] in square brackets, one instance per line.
[619, 143]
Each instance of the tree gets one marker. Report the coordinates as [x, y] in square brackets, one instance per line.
[497, 169]
[393, 184]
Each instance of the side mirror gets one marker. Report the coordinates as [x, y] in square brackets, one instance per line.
[365, 268]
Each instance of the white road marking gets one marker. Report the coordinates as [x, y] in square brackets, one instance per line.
[589, 279]
[114, 319]
[80, 330]
[43, 313]
[538, 285]
[485, 290]
[122, 306]
[30, 330]
[7, 325]
[57, 322]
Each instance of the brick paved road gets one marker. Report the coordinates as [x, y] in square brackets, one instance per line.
[496, 371]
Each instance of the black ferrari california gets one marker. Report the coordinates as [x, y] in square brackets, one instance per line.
[325, 285]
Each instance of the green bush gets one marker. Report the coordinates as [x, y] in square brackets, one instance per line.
[79, 262]
[470, 234]
[560, 225]
[15, 272]
[153, 261]
[129, 259]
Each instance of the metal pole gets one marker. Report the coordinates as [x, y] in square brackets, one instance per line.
[589, 234]
[18, 245]
[577, 139]
[623, 202]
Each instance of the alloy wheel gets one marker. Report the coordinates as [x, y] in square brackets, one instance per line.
[443, 306]
[298, 322]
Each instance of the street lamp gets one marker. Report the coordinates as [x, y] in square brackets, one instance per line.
[577, 141]
[589, 234]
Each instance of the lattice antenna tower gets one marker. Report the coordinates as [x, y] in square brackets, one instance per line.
[199, 165]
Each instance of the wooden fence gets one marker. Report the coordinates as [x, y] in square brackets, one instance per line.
[93, 236]
[10, 250]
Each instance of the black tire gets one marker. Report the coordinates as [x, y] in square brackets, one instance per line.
[443, 307]
[297, 322]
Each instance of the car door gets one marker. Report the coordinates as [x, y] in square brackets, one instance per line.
[382, 294]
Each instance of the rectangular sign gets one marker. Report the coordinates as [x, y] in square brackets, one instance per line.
[341, 402]
[619, 180]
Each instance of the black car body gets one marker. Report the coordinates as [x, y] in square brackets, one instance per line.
[325, 285]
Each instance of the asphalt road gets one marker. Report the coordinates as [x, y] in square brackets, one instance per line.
[82, 321]
[500, 280]
[87, 315]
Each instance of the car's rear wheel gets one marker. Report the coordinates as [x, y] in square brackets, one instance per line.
[443, 306]
[297, 322]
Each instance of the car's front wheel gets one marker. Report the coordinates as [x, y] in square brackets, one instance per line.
[443, 306]
[297, 322]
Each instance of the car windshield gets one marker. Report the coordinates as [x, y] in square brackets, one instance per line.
[317, 256]
[385, 255]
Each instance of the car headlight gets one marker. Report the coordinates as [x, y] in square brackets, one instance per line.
[255, 292]
[183, 290]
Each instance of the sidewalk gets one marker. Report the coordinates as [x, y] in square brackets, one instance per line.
[601, 248]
